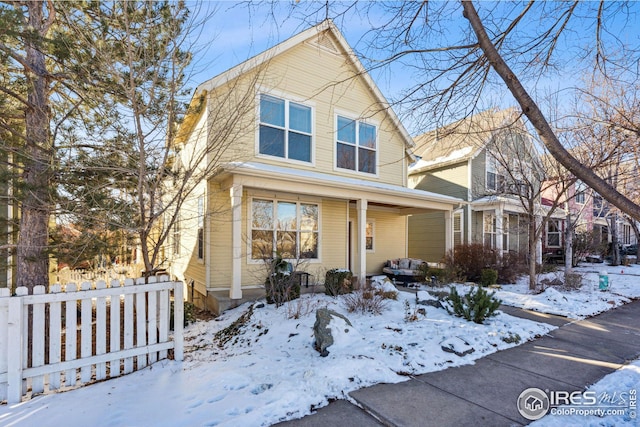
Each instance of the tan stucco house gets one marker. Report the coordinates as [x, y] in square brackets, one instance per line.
[315, 171]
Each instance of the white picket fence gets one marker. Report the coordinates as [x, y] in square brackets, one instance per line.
[56, 340]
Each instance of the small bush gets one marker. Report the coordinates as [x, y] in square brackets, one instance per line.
[512, 338]
[413, 315]
[281, 287]
[475, 306]
[365, 301]
[488, 277]
[338, 282]
[467, 261]
[189, 314]
[512, 265]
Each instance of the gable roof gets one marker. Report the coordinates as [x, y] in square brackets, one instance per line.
[315, 34]
[461, 140]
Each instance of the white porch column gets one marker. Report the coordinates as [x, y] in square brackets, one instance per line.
[499, 229]
[361, 206]
[448, 230]
[236, 242]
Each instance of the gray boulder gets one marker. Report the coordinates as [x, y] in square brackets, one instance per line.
[457, 346]
[322, 332]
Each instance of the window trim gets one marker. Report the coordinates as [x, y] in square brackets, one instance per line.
[493, 233]
[459, 214]
[358, 120]
[373, 236]
[491, 166]
[549, 233]
[580, 196]
[287, 99]
[275, 200]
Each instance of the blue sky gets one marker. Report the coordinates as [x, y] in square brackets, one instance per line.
[236, 31]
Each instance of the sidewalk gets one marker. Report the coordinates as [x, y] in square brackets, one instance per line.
[570, 358]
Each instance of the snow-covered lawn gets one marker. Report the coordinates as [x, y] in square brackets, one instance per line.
[269, 371]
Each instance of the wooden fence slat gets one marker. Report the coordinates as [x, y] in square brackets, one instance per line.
[101, 330]
[152, 324]
[163, 320]
[55, 332]
[38, 334]
[25, 336]
[4, 339]
[86, 331]
[141, 327]
[16, 348]
[128, 326]
[178, 321]
[114, 341]
[71, 337]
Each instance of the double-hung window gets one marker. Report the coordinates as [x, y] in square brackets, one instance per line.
[581, 192]
[287, 229]
[553, 233]
[356, 147]
[490, 230]
[285, 129]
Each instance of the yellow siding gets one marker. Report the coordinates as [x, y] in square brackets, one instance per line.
[389, 239]
[326, 82]
[220, 238]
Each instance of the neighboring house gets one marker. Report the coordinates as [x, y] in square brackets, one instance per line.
[319, 175]
[488, 160]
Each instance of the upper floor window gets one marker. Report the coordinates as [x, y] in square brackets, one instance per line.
[285, 129]
[581, 192]
[356, 146]
[495, 181]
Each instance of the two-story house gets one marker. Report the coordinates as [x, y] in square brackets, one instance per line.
[318, 172]
[489, 161]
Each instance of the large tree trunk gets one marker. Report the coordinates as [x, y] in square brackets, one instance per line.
[535, 116]
[32, 258]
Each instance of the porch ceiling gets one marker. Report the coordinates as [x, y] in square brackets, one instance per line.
[275, 178]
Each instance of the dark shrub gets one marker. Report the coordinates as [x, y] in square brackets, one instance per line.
[488, 277]
[475, 305]
[338, 282]
[467, 262]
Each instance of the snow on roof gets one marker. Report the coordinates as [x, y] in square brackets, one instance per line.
[455, 155]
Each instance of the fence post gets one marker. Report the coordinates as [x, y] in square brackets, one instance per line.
[178, 321]
[15, 348]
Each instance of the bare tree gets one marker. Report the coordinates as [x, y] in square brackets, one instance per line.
[151, 149]
[455, 72]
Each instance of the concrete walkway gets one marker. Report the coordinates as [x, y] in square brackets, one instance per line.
[570, 358]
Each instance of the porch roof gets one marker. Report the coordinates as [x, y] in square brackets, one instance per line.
[270, 177]
[511, 204]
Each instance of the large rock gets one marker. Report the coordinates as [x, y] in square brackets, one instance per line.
[322, 331]
[457, 346]
[425, 298]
